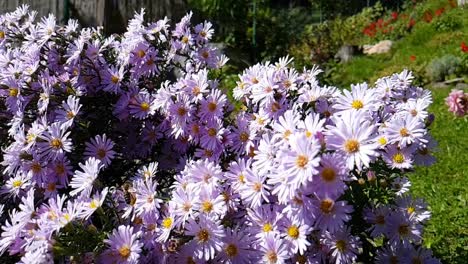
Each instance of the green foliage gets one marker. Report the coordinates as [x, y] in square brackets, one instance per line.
[441, 68]
[443, 185]
[447, 23]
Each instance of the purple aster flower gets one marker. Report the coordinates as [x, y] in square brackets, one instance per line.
[352, 136]
[237, 247]
[405, 130]
[212, 135]
[416, 208]
[274, 250]
[112, 79]
[400, 158]
[94, 203]
[124, 246]
[56, 142]
[208, 234]
[255, 191]
[390, 254]
[82, 182]
[344, 247]
[361, 98]
[402, 229]
[212, 106]
[211, 203]
[295, 234]
[146, 201]
[286, 125]
[331, 214]
[332, 173]
[142, 105]
[238, 172]
[100, 148]
[264, 220]
[419, 255]
[378, 218]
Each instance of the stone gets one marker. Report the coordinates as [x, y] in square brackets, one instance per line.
[383, 46]
[347, 52]
[461, 86]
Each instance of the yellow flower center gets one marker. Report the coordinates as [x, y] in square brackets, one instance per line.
[212, 132]
[187, 206]
[380, 220]
[51, 187]
[272, 257]
[124, 251]
[30, 137]
[301, 161]
[205, 54]
[257, 186]
[167, 222]
[13, 92]
[56, 143]
[141, 53]
[403, 230]
[293, 231]
[36, 167]
[411, 210]
[341, 245]
[357, 104]
[326, 206]
[203, 235]
[241, 178]
[101, 153]
[286, 134]
[185, 39]
[275, 107]
[398, 158]
[115, 79]
[244, 137]
[308, 134]
[17, 183]
[212, 106]
[2, 34]
[404, 132]
[181, 111]
[328, 175]
[144, 106]
[207, 206]
[196, 90]
[382, 141]
[231, 250]
[351, 146]
[60, 169]
[267, 227]
[70, 115]
[413, 112]
[93, 204]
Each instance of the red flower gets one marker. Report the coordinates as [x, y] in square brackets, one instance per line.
[428, 16]
[464, 47]
[453, 4]
[439, 11]
[394, 15]
[412, 58]
[411, 23]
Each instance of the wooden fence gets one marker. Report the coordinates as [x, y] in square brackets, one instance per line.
[112, 14]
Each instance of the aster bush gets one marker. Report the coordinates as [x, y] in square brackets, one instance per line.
[124, 149]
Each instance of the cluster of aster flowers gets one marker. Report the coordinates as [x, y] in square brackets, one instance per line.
[124, 149]
[457, 102]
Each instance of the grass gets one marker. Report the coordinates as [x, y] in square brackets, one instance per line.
[444, 185]
[425, 42]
